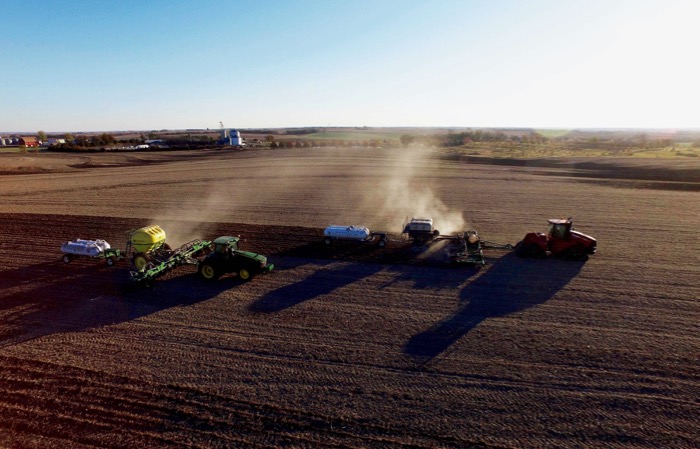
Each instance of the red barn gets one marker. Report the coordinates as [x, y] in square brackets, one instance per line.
[29, 141]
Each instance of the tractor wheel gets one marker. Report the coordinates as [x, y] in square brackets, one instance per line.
[245, 274]
[67, 258]
[382, 243]
[208, 272]
[140, 260]
[110, 261]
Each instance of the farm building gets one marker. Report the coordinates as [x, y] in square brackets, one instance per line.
[29, 141]
[52, 141]
[231, 137]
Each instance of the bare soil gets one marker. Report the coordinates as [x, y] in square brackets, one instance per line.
[349, 346]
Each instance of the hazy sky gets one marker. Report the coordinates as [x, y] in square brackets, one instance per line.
[170, 64]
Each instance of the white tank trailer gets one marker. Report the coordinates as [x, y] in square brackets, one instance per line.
[90, 248]
[354, 233]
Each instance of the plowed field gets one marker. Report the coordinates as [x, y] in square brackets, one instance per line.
[349, 346]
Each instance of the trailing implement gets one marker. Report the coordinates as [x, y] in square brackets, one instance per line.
[185, 255]
[466, 249]
[146, 244]
[355, 233]
[98, 249]
[420, 230]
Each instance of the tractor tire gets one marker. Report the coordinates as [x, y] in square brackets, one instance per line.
[382, 243]
[245, 274]
[140, 260]
[67, 258]
[208, 272]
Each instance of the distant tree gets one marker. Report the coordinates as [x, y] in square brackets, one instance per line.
[108, 139]
[41, 135]
[269, 138]
[69, 137]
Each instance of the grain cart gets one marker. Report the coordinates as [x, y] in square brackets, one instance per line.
[158, 264]
[98, 249]
[227, 258]
[560, 241]
[359, 234]
[420, 230]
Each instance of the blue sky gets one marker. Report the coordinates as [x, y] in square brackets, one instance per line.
[101, 65]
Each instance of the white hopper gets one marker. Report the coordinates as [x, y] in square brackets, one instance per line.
[347, 232]
[420, 224]
[80, 247]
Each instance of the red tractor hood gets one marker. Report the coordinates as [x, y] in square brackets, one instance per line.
[587, 240]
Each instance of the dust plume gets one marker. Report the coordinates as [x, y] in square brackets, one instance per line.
[404, 193]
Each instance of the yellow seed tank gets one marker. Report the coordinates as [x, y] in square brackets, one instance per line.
[147, 239]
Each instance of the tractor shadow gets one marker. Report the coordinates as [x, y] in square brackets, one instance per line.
[509, 285]
[343, 251]
[326, 277]
[50, 298]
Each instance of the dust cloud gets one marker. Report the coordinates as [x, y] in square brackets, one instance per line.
[194, 223]
[404, 194]
[225, 197]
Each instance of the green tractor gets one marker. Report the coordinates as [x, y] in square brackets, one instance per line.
[227, 258]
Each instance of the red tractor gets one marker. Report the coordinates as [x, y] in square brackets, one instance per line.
[561, 241]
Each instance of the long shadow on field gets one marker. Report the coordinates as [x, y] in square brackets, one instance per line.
[509, 285]
[325, 279]
[49, 298]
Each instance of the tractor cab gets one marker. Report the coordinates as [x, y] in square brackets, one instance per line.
[560, 229]
[225, 245]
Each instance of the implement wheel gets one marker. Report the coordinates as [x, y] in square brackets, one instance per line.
[67, 258]
[208, 272]
[140, 260]
[110, 261]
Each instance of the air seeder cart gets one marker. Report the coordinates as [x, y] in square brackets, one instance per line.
[420, 230]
